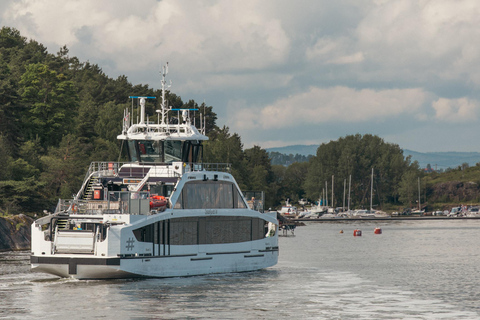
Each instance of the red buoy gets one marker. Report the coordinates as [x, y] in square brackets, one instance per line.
[357, 233]
[377, 231]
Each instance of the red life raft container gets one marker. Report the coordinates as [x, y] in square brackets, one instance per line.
[158, 202]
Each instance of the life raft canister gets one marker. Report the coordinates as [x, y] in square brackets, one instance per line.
[357, 233]
[158, 202]
[377, 231]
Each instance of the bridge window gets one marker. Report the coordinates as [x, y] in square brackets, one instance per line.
[209, 195]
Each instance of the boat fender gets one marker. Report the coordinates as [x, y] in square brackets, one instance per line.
[357, 233]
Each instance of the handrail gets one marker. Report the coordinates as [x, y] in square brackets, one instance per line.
[107, 168]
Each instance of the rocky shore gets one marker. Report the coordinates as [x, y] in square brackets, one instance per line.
[15, 232]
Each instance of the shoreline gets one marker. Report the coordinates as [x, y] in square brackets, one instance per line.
[386, 219]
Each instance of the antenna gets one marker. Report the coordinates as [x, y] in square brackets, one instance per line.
[164, 109]
[204, 115]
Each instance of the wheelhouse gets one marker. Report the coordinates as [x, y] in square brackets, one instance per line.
[164, 151]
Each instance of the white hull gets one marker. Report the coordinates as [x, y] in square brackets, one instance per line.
[161, 267]
[122, 255]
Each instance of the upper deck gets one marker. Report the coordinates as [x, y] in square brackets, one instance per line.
[126, 188]
[172, 135]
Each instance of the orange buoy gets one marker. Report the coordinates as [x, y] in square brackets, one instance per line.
[341, 231]
[357, 233]
[377, 231]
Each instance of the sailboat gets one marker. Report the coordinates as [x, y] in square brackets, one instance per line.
[364, 213]
[419, 211]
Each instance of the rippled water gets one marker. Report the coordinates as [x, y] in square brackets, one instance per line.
[414, 270]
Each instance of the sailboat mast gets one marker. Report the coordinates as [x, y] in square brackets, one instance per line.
[332, 191]
[419, 205]
[349, 185]
[371, 193]
[326, 194]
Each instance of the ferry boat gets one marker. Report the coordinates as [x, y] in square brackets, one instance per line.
[164, 213]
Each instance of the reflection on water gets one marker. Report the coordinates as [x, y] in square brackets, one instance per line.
[414, 270]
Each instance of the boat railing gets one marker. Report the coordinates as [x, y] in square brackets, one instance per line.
[105, 168]
[116, 202]
[110, 168]
[221, 167]
[255, 200]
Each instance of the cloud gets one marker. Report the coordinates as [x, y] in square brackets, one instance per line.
[421, 40]
[204, 35]
[337, 104]
[456, 110]
[353, 58]
[334, 51]
[269, 64]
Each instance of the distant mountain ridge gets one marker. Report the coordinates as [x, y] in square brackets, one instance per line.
[443, 160]
[304, 150]
[437, 160]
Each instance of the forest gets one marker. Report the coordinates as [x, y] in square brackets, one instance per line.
[58, 114]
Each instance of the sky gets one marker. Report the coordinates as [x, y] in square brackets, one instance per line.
[282, 73]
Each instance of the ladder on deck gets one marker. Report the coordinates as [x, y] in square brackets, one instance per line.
[89, 189]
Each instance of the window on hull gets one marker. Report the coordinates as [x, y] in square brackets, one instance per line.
[203, 230]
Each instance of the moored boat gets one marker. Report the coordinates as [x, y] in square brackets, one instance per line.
[164, 213]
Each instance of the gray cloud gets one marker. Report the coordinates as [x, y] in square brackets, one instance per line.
[283, 72]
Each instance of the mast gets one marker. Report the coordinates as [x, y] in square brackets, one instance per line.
[326, 194]
[164, 109]
[349, 185]
[371, 193]
[332, 192]
[344, 184]
[419, 205]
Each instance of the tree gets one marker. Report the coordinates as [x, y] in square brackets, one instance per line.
[408, 190]
[356, 155]
[9, 110]
[295, 175]
[223, 147]
[64, 167]
[51, 101]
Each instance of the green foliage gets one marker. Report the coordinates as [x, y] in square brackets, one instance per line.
[356, 155]
[51, 103]
[408, 188]
[224, 147]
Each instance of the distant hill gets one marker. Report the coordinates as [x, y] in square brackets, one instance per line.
[437, 160]
[304, 150]
[443, 160]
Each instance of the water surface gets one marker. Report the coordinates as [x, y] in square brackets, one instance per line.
[413, 270]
